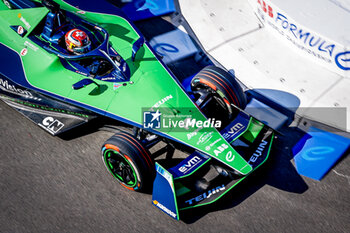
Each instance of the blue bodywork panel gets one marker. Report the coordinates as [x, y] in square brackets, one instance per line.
[164, 192]
[144, 9]
[266, 114]
[317, 152]
[91, 6]
[188, 165]
[238, 126]
[22, 4]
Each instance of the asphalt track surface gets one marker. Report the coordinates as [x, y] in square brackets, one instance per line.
[50, 184]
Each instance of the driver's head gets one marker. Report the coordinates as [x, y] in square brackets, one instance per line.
[77, 41]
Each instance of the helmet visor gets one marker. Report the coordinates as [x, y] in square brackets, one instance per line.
[83, 49]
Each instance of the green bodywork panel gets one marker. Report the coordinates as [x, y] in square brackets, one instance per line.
[253, 131]
[151, 80]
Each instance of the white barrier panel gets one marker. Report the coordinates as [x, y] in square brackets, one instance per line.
[231, 32]
[319, 29]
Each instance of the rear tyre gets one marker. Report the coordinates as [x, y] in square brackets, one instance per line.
[129, 162]
[224, 90]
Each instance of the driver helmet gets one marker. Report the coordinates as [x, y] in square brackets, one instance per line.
[77, 41]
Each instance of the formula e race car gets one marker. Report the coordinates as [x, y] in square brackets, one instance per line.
[118, 76]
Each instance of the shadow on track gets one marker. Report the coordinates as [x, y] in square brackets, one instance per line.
[278, 172]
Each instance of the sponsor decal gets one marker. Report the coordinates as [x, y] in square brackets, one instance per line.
[116, 76]
[52, 125]
[24, 21]
[7, 4]
[190, 164]
[343, 60]
[30, 45]
[258, 152]
[81, 12]
[161, 102]
[220, 149]
[308, 41]
[48, 108]
[5, 86]
[230, 157]
[192, 134]
[166, 210]
[141, 5]
[117, 58]
[233, 130]
[82, 73]
[207, 148]
[163, 48]
[24, 52]
[317, 153]
[205, 195]
[20, 30]
[116, 86]
[166, 175]
[204, 138]
[116, 61]
[108, 78]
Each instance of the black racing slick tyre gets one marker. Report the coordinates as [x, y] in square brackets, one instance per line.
[224, 88]
[129, 162]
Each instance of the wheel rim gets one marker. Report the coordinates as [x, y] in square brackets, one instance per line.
[121, 168]
[217, 96]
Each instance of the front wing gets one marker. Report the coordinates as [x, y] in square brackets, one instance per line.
[200, 180]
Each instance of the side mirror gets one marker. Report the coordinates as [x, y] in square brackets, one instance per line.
[82, 83]
[136, 47]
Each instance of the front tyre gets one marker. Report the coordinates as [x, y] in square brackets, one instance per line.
[217, 92]
[128, 162]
